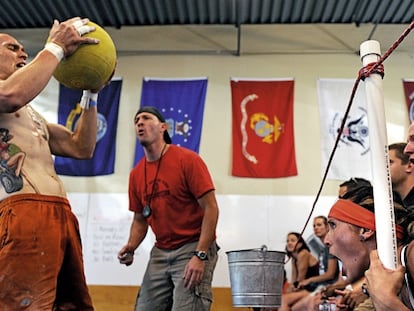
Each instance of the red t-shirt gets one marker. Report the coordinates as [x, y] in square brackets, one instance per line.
[182, 178]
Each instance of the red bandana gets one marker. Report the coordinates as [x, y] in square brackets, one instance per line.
[354, 214]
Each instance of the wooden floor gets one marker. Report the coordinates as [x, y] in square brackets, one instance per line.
[122, 298]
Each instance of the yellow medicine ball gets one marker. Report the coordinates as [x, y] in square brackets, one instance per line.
[91, 65]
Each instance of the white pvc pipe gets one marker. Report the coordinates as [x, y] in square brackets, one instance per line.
[381, 180]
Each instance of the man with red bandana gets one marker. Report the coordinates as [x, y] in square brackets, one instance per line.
[352, 234]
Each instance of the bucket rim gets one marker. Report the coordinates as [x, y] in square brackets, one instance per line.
[256, 250]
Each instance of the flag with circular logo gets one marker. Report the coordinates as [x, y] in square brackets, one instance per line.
[263, 138]
[103, 160]
[352, 157]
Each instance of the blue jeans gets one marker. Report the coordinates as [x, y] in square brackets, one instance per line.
[163, 285]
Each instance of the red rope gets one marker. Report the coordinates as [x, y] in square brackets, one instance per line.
[376, 67]
[369, 69]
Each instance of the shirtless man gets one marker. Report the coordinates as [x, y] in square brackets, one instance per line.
[41, 266]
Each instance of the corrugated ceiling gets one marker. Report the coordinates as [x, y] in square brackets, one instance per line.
[118, 13]
[212, 26]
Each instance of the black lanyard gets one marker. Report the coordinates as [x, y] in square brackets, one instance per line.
[147, 211]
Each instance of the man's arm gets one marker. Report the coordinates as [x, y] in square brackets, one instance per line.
[194, 270]
[208, 228]
[138, 231]
[26, 83]
[79, 144]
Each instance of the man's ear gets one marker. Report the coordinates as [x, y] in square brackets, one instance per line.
[164, 126]
[366, 234]
[409, 168]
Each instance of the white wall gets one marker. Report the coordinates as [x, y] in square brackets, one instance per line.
[245, 203]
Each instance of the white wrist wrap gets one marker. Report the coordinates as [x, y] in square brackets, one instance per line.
[88, 99]
[55, 49]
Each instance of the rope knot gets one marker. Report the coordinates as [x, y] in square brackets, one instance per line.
[366, 71]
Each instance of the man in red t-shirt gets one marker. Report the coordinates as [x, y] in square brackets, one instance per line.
[171, 190]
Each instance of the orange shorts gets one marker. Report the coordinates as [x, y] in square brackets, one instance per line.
[41, 265]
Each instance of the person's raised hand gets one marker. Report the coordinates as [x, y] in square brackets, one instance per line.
[68, 34]
[383, 282]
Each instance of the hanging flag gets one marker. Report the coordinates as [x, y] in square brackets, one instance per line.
[409, 97]
[103, 161]
[181, 101]
[263, 138]
[352, 157]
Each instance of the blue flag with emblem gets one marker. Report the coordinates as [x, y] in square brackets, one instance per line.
[103, 161]
[181, 101]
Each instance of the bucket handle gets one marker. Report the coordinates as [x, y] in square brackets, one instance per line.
[263, 251]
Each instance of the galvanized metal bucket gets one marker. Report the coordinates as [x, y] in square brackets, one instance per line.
[256, 277]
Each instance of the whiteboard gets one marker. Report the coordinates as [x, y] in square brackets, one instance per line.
[245, 222]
